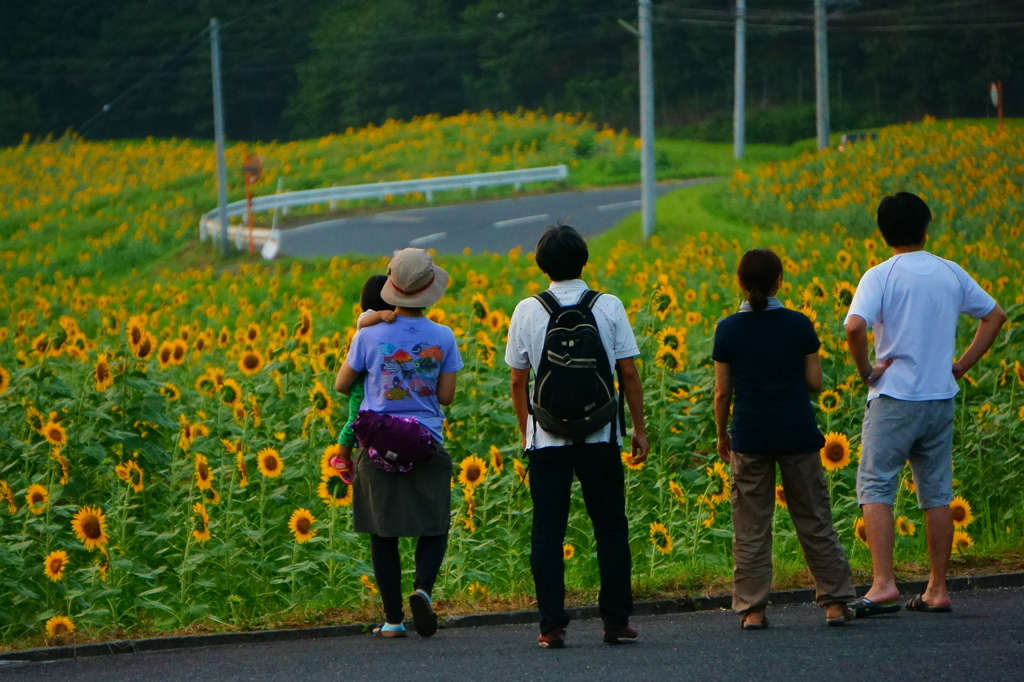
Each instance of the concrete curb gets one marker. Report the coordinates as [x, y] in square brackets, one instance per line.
[644, 608]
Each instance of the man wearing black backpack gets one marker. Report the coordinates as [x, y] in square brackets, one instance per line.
[576, 341]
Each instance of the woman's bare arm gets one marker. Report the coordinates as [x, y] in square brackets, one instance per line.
[446, 388]
[345, 379]
[812, 372]
[723, 403]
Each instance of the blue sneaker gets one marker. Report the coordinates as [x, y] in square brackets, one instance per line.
[423, 616]
[390, 631]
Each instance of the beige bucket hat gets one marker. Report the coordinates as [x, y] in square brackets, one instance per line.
[413, 280]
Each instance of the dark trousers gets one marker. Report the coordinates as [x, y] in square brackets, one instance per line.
[599, 469]
[387, 570]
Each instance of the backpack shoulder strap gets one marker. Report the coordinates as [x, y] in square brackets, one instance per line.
[549, 301]
[589, 298]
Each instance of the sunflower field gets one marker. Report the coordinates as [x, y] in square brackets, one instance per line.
[165, 439]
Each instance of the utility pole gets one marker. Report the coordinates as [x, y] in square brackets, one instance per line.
[647, 179]
[218, 133]
[739, 111]
[821, 71]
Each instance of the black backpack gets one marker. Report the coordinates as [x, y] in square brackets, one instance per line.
[574, 391]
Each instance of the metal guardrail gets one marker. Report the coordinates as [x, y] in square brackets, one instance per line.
[380, 190]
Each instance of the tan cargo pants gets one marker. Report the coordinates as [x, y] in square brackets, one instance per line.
[753, 506]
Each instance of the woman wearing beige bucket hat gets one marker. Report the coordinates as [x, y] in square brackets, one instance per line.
[402, 488]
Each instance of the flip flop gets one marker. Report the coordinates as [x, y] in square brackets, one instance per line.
[848, 615]
[753, 626]
[865, 608]
[921, 606]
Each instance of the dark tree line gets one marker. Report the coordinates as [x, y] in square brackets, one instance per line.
[302, 68]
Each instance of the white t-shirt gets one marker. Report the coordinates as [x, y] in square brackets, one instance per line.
[526, 335]
[912, 301]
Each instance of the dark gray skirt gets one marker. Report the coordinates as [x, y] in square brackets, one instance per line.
[413, 504]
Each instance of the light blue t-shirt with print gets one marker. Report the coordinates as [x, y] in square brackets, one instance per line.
[402, 361]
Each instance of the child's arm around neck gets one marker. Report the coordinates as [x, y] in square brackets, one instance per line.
[372, 317]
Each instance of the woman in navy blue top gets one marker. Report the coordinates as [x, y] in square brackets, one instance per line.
[766, 356]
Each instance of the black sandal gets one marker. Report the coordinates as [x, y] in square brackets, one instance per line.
[921, 606]
[865, 608]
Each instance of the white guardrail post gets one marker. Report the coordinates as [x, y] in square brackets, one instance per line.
[379, 190]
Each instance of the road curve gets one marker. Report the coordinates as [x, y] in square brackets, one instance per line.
[494, 226]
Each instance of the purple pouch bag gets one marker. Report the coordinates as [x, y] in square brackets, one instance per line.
[394, 443]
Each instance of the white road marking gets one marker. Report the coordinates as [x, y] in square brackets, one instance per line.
[428, 239]
[397, 218]
[501, 224]
[620, 205]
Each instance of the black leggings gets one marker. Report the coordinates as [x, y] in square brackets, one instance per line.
[387, 569]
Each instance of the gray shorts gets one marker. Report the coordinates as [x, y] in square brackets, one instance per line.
[897, 430]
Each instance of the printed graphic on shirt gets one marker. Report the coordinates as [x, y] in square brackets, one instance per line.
[404, 373]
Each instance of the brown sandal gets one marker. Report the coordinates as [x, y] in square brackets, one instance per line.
[744, 625]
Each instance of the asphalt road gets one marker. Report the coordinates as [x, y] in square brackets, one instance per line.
[983, 639]
[494, 226]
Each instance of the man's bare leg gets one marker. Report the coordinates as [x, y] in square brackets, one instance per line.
[938, 523]
[879, 527]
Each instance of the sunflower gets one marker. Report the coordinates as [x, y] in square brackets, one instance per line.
[59, 626]
[480, 307]
[497, 321]
[238, 411]
[179, 348]
[204, 474]
[844, 258]
[522, 474]
[254, 408]
[720, 479]
[251, 362]
[102, 374]
[677, 491]
[672, 337]
[836, 453]
[1019, 371]
[961, 510]
[905, 526]
[202, 531]
[669, 359]
[301, 525]
[54, 565]
[90, 526]
[37, 498]
[136, 331]
[330, 452]
[7, 495]
[321, 400]
[165, 354]
[212, 496]
[145, 349]
[663, 301]
[62, 463]
[630, 462]
[472, 470]
[693, 317]
[170, 391]
[780, 497]
[230, 393]
[304, 329]
[660, 537]
[54, 433]
[243, 470]
[269, 463]
[860, 530]
[568, 551]
[844, 291]
[497, 460]
[224, 337]
[334, 491]
[135, 476]
[961, 542]
[368, 584]
[5, 380]
[829, 401]
[252, 332]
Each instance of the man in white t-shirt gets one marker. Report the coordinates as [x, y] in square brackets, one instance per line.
[595, 459]
[912, 303]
